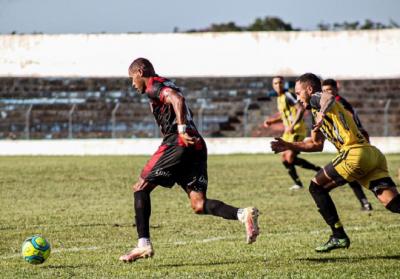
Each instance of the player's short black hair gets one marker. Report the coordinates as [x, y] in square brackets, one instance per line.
[280, 77]
[143, 64]
[330, 82]
[312, 80]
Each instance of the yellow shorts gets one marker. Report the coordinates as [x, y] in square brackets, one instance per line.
[293, 137]
[366, 164]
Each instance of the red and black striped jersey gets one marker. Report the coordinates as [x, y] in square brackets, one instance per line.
[164, 113]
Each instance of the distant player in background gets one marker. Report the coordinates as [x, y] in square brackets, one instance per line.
[291, 114]
[329, 86]
[357, 159]
[181, 159]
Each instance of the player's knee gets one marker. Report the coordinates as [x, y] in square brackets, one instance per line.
[290, 158]
[198, 206]
[315, 189]
[286, 164]
[138, 186]
[141, 185]
[394, 204]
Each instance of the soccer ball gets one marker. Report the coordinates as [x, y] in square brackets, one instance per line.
[35, 249]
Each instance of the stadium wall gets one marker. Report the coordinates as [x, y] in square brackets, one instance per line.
[338, 54]
[218, 104]
[148, 146]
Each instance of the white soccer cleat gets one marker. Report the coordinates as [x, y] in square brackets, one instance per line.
[138, 253]
[296, 187]
[250, 220]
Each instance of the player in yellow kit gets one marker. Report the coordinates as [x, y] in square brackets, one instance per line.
[357, 160]
[330, 86]
[291, 114]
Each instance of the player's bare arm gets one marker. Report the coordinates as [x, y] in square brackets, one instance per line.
[299, 116]
[272, 120]
[178, 103]
[315, 144]
[326, 103]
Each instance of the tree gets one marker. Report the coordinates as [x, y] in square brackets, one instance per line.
[367, 25]
[346, 25]
[270, 24]
[393, 24]
[225, 27]
[221, 27]
[324, 26]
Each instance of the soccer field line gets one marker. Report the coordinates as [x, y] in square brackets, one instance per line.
[59, 250]
[206, 240]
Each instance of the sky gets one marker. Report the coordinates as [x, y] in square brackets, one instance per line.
[160, 16]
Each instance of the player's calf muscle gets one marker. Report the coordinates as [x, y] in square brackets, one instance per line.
[394, 204]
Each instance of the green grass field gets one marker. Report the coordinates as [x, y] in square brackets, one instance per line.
[83, 206]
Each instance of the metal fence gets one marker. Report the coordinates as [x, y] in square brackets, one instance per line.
[207, 123]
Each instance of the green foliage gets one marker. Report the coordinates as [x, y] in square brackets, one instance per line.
[225, 27]
[273, 23]
[83, 206]
[270, 24]
[260, 24]
[356, 25]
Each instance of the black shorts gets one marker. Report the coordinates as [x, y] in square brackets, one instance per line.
[175, 163]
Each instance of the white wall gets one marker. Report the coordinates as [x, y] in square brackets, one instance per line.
[149, 146]
[343, 54]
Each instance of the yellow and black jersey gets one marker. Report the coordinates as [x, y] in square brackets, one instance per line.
[338, 126]
[288, 111]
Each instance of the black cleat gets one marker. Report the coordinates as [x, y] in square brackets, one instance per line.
[333, 243]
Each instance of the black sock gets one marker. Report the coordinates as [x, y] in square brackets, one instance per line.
[305, 164]
[394, 204]
[218, 208]
[292, 172]
[358, 191]
[338, 230]
[327, 209]
[142, 213]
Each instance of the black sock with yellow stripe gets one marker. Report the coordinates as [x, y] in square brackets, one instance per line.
[327, 209]
[292, 172]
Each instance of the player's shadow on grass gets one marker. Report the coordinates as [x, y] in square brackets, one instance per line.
[67, 266]
[116, 225]
[228, 262]
[348, 259]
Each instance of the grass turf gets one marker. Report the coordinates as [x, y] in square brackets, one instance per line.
[83, 206]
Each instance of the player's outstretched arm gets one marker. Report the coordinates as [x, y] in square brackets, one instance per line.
[299, 116]
[313, 144]
[272, 120]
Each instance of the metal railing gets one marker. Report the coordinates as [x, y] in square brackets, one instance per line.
[386, 118]
[27, 122]
[113, 120]
[70, 113]
[204, 119]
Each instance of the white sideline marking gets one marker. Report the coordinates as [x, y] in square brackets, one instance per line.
[60, 250]
[211, 239]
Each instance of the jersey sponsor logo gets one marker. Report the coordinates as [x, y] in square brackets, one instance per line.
[162, 173]
[203, 180]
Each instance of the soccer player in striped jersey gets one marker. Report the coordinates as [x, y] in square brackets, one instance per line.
[291, 115]
[181, 159]
[357, 159]
[330, 86]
